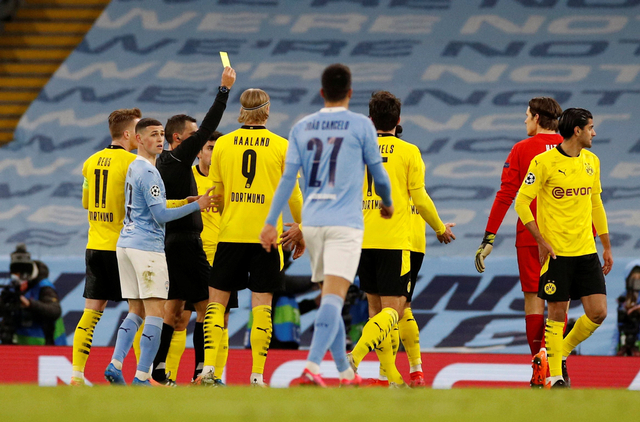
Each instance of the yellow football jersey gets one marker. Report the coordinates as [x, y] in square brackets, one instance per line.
[210, 218]
[418, 231]
[405, 167]
[104, 174]
[249, 163]
[563, 186]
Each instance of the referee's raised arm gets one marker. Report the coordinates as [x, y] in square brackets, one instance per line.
[188, 149]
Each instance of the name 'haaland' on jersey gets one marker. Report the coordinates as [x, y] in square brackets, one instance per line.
[327, 125]
[251, 141]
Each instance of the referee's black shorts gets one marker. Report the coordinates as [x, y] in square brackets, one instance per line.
[103, 279]
[572, 277]
[380, 273]
[188, 267]
[238, 266]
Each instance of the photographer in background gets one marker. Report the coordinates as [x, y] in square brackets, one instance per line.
[629, 313]
[29, 307]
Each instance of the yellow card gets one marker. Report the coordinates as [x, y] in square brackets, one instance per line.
[225, 59]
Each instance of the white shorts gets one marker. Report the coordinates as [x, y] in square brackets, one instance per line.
[333, 250]
[143, 274]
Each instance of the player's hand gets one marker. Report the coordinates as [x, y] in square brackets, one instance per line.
[191, 199]
[386, 212]
[228, 77]
[447, 236]
[217, 200]
[484, 250]
[545, 250]
[293, 235]
[206, 201]
[300, 246]
[607, 257]
[269, 237]
[633, 309]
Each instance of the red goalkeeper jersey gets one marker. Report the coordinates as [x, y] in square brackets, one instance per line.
[513, 173]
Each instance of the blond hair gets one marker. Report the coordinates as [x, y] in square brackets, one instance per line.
[254, 106]
[120, 119]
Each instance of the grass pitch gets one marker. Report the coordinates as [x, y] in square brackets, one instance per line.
[114, 404]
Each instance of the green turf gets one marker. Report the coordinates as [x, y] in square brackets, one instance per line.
[106, 403]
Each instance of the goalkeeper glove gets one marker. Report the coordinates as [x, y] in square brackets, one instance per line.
[484, 250]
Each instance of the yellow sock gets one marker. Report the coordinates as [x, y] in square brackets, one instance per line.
[213, 328]
[553, 340]
[374, 331]
[260, 337]
[223, 354]
[395, 345]
[386, 351]
[410, 336]
[581, 331]
[176, 349]
[136, 342]
[83, 338]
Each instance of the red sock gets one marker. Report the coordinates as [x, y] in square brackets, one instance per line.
[535, 331]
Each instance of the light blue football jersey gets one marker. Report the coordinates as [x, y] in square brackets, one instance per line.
[332, 146]
[143, 188]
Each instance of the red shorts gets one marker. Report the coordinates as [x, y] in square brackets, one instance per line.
[529, 266]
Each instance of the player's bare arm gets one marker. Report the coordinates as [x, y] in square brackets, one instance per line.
[607, 256]
[269, 237]
[386, 212]
[544, 248]
[293, 235]
[293, 238]
[448, 236]
[206, 201]
[228, 77]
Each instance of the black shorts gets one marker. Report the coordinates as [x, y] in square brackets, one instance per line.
[379, 272]
[416, 264]
[238, 266]
[232, 304]
[103, 279]
[572, 277]
[188, 267]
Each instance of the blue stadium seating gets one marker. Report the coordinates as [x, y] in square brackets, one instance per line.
[464, 70]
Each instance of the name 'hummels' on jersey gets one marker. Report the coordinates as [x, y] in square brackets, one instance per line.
[405, 168]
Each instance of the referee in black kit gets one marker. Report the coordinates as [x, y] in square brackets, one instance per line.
[186, 259]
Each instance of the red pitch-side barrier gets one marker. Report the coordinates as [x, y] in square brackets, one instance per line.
[50, 366]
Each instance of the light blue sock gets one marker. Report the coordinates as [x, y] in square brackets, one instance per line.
[326, 326]
[149, 342]
[126, 334]
[339, 348]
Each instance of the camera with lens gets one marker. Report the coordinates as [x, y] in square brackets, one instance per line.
[22, 269]
[629, 315]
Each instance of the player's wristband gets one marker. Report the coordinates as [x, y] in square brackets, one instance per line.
[488, 238]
